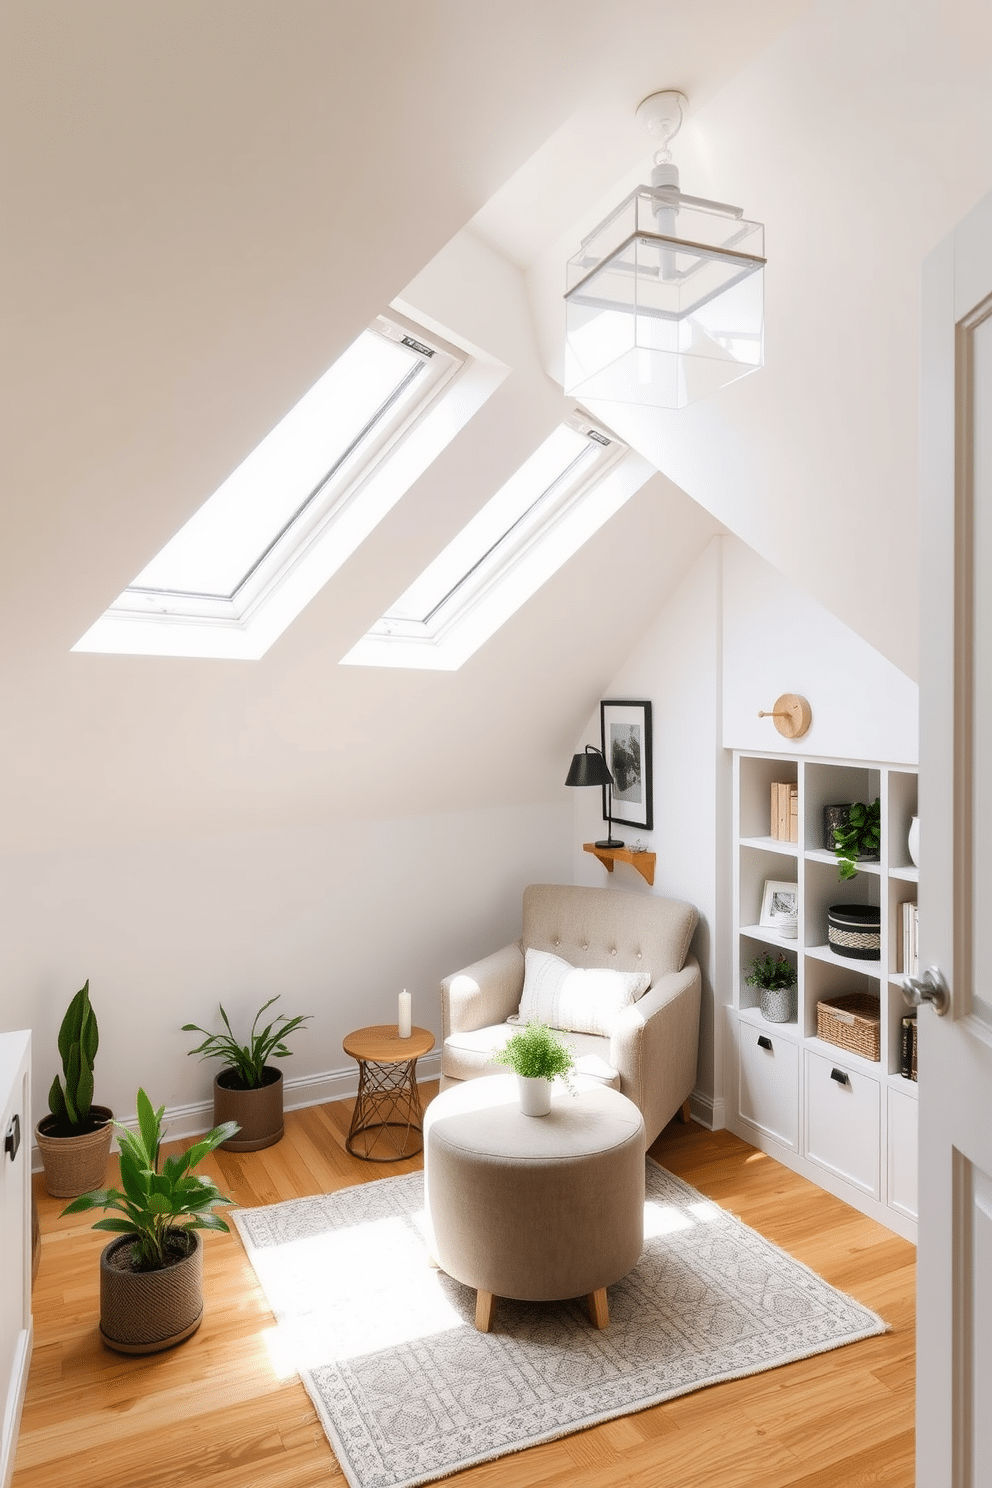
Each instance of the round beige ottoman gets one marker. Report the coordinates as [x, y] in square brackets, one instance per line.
[538, 1208]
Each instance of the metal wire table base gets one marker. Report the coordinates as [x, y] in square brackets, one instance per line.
[388, 1102]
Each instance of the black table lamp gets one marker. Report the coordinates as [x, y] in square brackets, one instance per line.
[590, 768]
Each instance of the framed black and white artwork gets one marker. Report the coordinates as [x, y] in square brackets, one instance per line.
[626, 736]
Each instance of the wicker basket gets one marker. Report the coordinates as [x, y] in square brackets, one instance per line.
[851, 1022]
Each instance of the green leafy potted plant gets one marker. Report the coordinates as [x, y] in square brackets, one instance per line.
[857, 836]
[248, 1089]
[776, 978]
[151, 1277]
[536, 1055]
[74, 1138]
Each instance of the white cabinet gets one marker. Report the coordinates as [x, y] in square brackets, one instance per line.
[842, 1121]
[769, 1083]
[15, 1238]
[845, 1120]
[903, 1125]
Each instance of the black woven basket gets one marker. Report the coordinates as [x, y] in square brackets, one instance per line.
[855, 930]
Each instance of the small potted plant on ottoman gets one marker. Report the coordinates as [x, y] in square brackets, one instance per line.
[248, 1089]
[536, 1054]
[776, 979]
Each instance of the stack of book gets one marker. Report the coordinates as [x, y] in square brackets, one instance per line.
[910, 955]
[785, 811]
[907, 1047]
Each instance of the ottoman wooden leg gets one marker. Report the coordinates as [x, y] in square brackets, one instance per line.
[483, 1310]
[599, 1311]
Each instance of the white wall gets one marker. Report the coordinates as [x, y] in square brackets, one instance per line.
[733, 637]
[677, 666]
[335, 920]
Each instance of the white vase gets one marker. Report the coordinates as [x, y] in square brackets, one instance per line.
[535, 1096]
[913, 841]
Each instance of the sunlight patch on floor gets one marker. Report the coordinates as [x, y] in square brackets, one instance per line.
[384, 1260]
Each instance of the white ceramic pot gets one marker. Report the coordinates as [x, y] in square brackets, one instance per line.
[535, 1096]
[913, 841]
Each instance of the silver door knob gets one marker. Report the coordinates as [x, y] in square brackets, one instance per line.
[931, 987]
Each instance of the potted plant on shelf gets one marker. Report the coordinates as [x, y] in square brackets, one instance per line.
[855, 834]
[536, 1055]
[74, 1138]
[776, 978]
[248, 1089]
[151, 1276]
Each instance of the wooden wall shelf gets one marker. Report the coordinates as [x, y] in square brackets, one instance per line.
[643, 861]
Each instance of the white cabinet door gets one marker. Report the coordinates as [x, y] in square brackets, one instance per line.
[903, 1161]
[769, 1083]
[842, 1114]
[15, 1244]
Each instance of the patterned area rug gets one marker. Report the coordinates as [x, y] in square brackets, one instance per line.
[408, 1391]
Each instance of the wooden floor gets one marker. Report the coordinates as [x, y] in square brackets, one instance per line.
[214, 1413]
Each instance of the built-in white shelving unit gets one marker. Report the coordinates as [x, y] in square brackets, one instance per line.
[844, 1121]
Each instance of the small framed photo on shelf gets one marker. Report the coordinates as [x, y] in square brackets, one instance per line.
[780, 907]
[626, 734]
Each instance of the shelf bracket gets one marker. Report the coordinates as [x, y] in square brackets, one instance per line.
[643, 862]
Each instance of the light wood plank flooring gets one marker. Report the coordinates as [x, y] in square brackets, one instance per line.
[214, 1412]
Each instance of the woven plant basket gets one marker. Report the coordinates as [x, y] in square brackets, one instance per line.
[143, 1312]
[75, 1165]
[258, 1112]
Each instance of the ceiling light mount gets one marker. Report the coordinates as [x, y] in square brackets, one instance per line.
[662, 115]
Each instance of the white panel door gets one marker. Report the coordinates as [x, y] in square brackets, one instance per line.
[954, 1400]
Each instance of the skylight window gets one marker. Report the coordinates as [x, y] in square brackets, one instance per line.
[548, 508]
[248, 561]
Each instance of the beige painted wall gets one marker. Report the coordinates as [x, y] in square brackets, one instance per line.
[334, 920]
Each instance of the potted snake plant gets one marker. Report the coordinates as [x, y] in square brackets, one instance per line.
[249, 1090]
[151, 1275]
[74, 1138]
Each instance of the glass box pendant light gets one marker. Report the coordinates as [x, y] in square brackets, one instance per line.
[664, 301]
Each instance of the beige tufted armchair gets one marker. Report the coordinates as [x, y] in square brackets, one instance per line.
[651, 1055]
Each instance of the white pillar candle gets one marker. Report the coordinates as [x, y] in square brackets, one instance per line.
[403, 1023]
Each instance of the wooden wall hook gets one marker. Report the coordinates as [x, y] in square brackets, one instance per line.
[792, 714]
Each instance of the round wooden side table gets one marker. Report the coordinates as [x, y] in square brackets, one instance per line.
[388, 1101]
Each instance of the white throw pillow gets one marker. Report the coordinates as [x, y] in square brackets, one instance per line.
[574, 998]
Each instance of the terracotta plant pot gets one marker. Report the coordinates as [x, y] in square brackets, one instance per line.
[258, 1112]
[143, 1312]
[75, 1165]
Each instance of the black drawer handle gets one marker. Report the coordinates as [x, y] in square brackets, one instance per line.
[763, 1041]
[12, 1140]
[840, 1076]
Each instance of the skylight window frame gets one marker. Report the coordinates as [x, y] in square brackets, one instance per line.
[332, 523]
[481, 601]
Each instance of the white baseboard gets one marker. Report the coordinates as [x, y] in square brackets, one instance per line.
[708, 1110]
[197, 1117]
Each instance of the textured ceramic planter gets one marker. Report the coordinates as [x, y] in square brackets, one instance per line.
[535, 1096]
[778, 1004]
[75, 1165]
[143, 1312]
[258, 1112]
